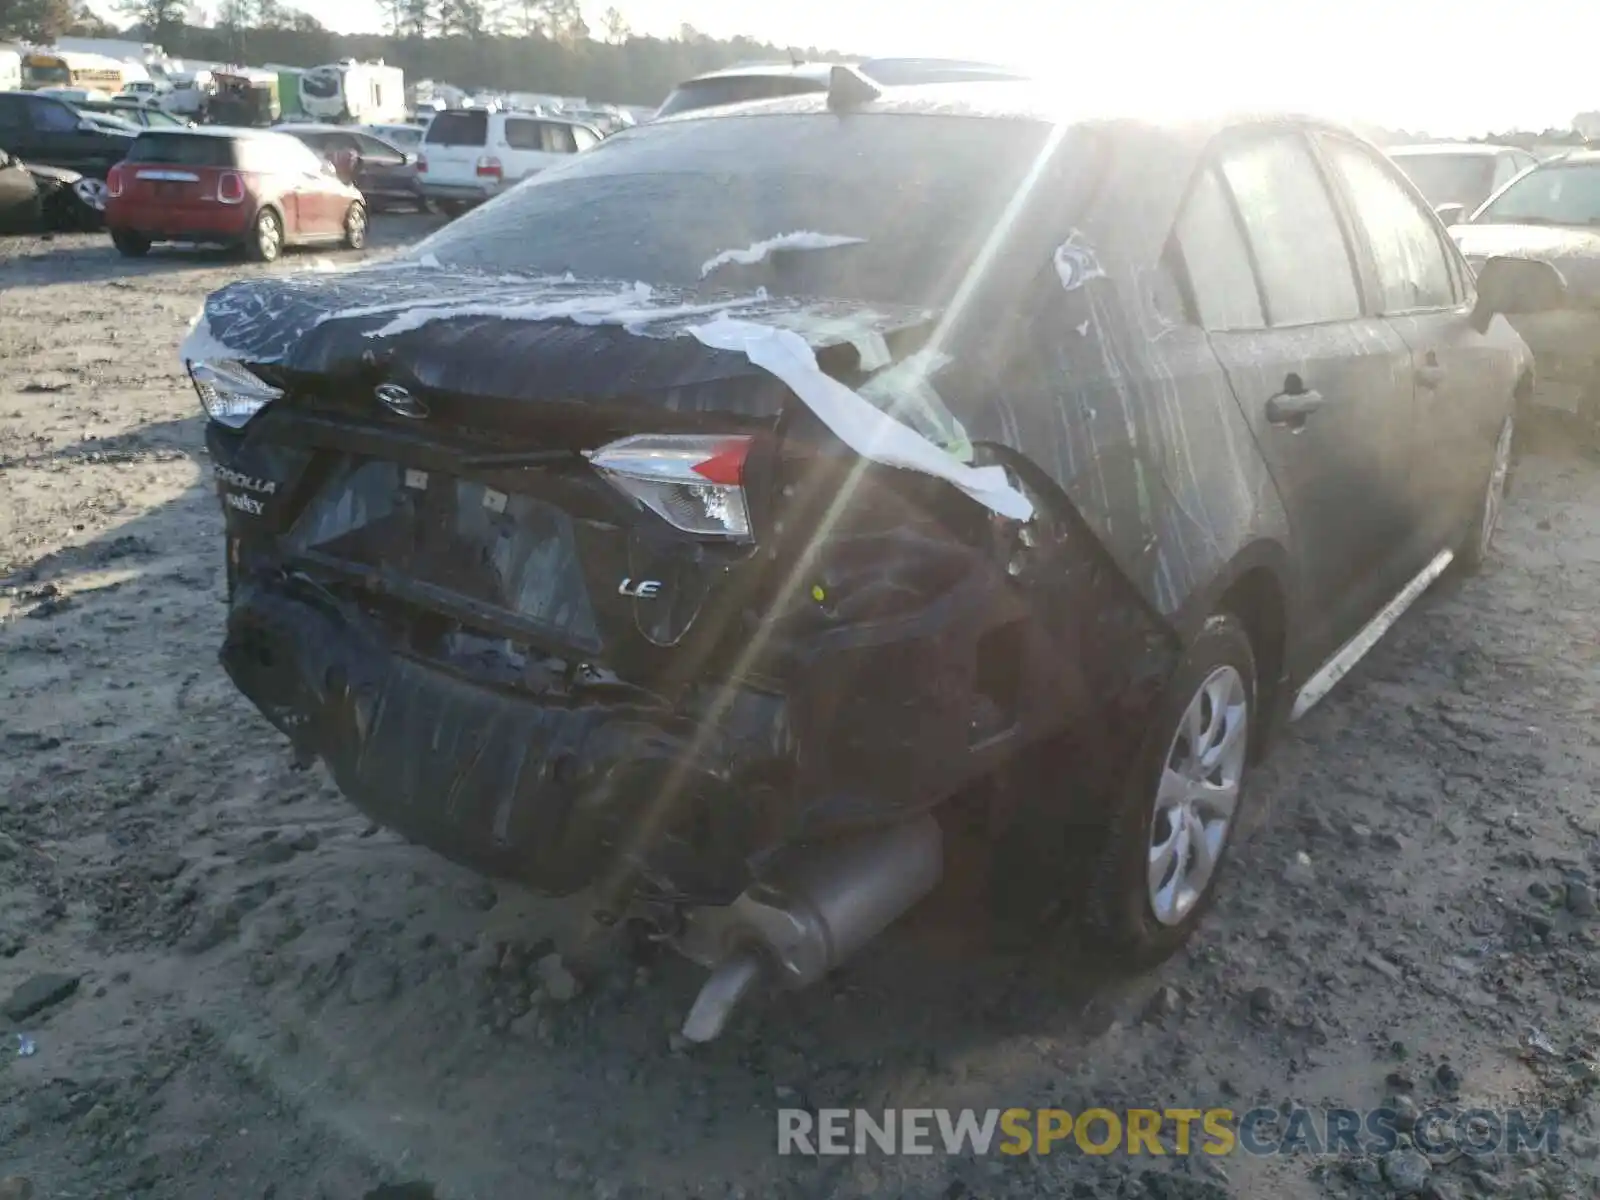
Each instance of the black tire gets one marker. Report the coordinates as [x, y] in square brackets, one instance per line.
[1479, 537]
[130, 245]
[265, 242]
[355, 226]
[453, 208]
[1119, 915]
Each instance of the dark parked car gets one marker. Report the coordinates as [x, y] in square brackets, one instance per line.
[251, 188]
[580, 542]
[36, 199]
[1457, 177]
[1553, 213]
[385, 174]
[768, 81]
[51, 132]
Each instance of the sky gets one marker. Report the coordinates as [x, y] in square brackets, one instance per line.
[1450, 68]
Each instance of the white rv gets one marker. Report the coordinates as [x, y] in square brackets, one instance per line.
[10, 69]
[355, 93]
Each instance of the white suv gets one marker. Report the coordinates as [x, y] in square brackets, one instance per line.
[470, 155]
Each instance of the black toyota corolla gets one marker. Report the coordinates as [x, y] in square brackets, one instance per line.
[693, 521]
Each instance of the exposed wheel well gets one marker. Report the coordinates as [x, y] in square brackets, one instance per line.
[1257, 599]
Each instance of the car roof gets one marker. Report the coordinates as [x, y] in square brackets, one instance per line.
[1579, 158]
[311, 127]
[1015, 101]
[1464, 149]
[819, 72]
[217, 131]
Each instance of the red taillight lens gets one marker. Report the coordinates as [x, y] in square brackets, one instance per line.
[230, 187]
[422, 165]
[694, 483]
[490, 168]
[114, 181]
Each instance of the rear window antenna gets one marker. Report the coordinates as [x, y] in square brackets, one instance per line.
[848, 88]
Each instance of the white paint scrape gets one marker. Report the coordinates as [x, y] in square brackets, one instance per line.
[629, 308]
[751, 255]
[1076, 262]
[201, 345]
[867, 430]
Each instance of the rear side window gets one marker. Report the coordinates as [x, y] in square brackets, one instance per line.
[50, 117]
[1217, 260]
[1292, 227]
[1413, 272]
[522, 134]
[584, 138]
[458, 129]
[184, 150]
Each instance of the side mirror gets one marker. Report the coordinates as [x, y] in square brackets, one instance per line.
[1517, 287]
[1451, 214]
[87, 126]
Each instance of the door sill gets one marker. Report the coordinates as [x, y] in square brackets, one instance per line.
[1353, 651]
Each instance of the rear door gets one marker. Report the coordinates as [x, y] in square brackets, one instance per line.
[57, 139]
[1323, 383]
[16, 131]
[454, 143]
[1458, 375]
[319, 201]
[533, 145]
[384, 169]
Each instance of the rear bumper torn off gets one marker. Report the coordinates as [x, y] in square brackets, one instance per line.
[555, 795]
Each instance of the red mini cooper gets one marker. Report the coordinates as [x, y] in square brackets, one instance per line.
[251, 188]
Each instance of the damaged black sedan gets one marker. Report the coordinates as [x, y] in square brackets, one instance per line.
[692, 522]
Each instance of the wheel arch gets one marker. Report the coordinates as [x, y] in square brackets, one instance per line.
[1255, 588]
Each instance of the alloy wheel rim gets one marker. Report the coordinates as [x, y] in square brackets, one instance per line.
[269, 236]
[92, 192]
[1198, 795]
[1497, 487]
[356, 225]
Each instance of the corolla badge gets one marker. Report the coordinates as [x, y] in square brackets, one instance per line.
[399, 401]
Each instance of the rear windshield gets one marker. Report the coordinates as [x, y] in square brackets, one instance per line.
[458, 129]
[658, 203]
[184, 150]
[736, 89]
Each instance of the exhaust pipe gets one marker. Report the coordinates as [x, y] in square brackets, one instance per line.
[816, 907]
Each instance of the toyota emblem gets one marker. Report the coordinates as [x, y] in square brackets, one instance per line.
[400, 402]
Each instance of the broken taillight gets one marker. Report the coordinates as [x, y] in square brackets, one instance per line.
[489, 167]
[114, 181]
[693, 482]
[422, 164]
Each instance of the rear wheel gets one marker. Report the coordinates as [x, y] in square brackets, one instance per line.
[1474, 550]
[453, 208]
[1172, 824]
[265, 242]
[355, 226]
[130, 245]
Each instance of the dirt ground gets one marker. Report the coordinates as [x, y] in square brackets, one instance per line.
[241, 989]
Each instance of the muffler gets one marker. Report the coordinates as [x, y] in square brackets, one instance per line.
[810, 912]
